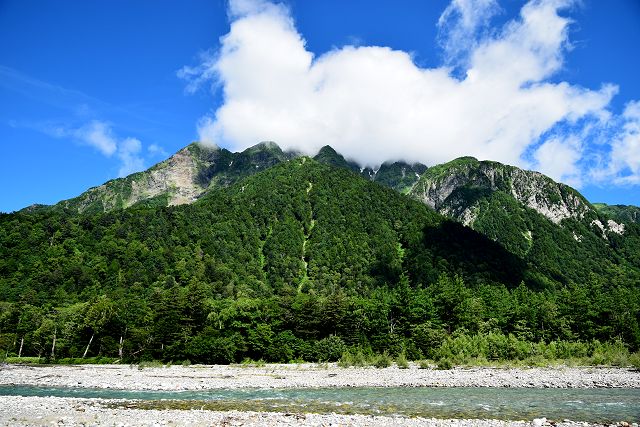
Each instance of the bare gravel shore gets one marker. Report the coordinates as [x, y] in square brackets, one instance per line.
[199, 377]
[54, 411]
[41, 411]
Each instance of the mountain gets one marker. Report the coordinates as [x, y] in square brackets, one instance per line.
[399, 176]
[297, 225]
[284, 257]
[620, 213]
[544, 223]
[518, 209]
[481, 193]
[180, 179]
[459, 187]
[328, 156]
[198, 168]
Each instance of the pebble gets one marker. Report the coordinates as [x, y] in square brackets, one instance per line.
[19, 411]
[75, 411]
[198, 377]
[538, 422]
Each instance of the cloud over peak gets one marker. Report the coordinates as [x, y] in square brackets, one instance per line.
[373, 103]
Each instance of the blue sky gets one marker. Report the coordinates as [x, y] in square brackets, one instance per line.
[90, 91]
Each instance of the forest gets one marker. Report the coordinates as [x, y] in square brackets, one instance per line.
[304, 261]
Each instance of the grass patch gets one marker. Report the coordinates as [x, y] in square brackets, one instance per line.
[354, 358]
[25, 360]
[150, 364]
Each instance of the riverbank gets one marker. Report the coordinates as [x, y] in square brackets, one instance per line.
[40, 411]
[199, 377]
[54, 411]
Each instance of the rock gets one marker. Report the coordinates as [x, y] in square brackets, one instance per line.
[538, 422]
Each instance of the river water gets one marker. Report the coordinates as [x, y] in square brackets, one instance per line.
[594, 405]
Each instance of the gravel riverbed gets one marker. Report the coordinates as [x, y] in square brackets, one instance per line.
[199, 377]
[54, 411]
[40, 411]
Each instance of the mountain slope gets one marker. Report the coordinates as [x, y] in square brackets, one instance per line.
[399, 176]
[297, 226]
[298, 261]
[328, 156]
[181, 179]
[455, 188]
[301, 223]
[546, 223]
[620, 213]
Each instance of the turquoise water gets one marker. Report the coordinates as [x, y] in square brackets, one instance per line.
[595, 405]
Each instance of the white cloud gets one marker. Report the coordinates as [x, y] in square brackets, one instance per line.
[97, 134]
[156, 150]
[559, 158]
[623, 163]
[374, 103]
[129, 154]
[459, 25]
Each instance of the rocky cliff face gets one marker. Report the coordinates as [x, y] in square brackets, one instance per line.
[171, 182]
[180, 179]
[457, 187]
[519, 209]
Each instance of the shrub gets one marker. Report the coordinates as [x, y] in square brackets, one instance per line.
[382, 360]
[330, 349]
[610, 353]
[634, 360]
[29, 360]
[353, 358]
[445, 364]
[401, 361]
[424, 364]
[150, 364]
[428, 338]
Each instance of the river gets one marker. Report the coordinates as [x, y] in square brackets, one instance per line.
[593, 405]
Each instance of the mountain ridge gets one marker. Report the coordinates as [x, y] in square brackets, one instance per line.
[448, 187]
[306, 260]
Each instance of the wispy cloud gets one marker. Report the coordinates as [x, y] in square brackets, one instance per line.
[129, 155]
[460, 25]
[74, 102]
[99, 135]
[157, 151]
[622, 163]
[374, 103]
[48, 93]
[83, 123]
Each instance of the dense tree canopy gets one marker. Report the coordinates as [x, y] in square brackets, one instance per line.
[302, 260]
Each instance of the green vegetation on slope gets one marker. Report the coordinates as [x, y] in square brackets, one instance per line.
[301, 260]
[620, 213]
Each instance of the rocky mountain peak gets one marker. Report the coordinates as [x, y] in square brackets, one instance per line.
[456, 188]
